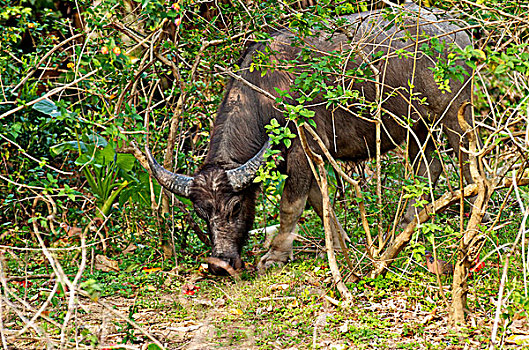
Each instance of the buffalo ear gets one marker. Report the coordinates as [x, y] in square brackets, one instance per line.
[243, 176]
[175, 183]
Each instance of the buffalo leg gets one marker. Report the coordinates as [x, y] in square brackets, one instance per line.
[280, 251]
[293, 202]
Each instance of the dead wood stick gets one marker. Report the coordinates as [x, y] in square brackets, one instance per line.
[329, 239]
[504, 279]
[77, 278]
[467, 251]
[30, 277]
[20, 314]
[27, 306]
[508, 182]
[61, 276]
[40, 310]
[342, 235]
[321, 178]
[3, 282]
[123, 317]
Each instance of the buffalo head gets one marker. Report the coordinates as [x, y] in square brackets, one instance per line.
[224, 199]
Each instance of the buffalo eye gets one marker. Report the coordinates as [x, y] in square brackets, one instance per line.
[235, 210]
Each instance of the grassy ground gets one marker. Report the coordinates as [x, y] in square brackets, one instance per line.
[295, 307]
[136, 292]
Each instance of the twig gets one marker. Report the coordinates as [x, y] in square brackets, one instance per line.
[29, 277]
[44, 58]
[341, 234]
[123, 29]
[49, 94]
[21, 150]
[3, 282]
[173, 128]
[471, 236]
[71, 298]
[521, 232]
[404, 237]
[123, 317]
[37, 329]
[321, 178]
[40, 310]
[492, 9]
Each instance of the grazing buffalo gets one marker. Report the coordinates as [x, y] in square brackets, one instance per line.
[223, 192]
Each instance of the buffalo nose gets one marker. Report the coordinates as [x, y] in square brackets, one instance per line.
[224, 266]
[217, 270]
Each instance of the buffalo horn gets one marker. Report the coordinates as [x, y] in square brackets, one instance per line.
[175, 183]
[243, 176]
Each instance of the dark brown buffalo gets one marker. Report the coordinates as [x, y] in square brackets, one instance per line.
[223, 192]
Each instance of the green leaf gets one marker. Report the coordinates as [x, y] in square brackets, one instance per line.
[500, 69]
[472, 64]
[96, 140]
[107, 205]
[430, 238]
[47, 107]
[106, 155]
[125, 161]
[69, 146]
[91, 181]
[84, 159]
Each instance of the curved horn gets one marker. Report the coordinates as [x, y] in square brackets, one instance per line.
[243, 176]
[175, 183]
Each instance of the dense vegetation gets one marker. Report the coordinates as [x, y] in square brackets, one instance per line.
[93, 253]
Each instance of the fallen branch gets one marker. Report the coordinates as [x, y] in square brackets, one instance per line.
[123, 317]
[30, 277]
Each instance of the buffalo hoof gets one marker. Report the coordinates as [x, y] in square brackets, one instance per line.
[272, 259]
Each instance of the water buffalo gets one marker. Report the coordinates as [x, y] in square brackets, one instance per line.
[223, 192]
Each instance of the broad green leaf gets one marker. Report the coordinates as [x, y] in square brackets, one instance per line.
[69, 146]
[125, 161]
[96, 140]
[47, 107]
[106, 155]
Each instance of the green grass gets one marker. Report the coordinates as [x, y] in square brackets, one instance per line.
[404, 309]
